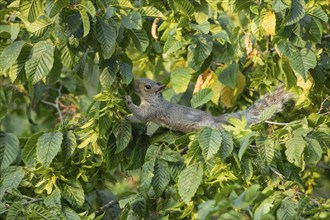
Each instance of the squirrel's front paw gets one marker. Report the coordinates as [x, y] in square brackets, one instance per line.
[128, 100]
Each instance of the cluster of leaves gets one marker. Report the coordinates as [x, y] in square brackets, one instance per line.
[65, 143]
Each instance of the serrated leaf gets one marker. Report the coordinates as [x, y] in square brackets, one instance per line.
[318, 13]
[122, 3]
[297, 11]
[58, 7]
[73, 193]
[189, 180]
[29, 152]
[302, 61]
[67, 56]
[294, 149]
[198, 52]
[161, 177]
[210, 141]
[229, 75]
[39, 27]
[140, 39]
[9, 148]
[15, 211]
[123, 133]
[248, 168]
[201, 97]
[147, 175]
[10, 54]
[266, 149]
[41, 61]
[171, 45]
[227, 145]
[269, 23]
[54, 199]
[70, 214]
[85, 21]
[89, 7]
[185, 6]
[69, 144]
[132, 21]
[12, 29]
[245, 142]
[287, 210]
[205, 209]
[150, 11]
[313, 151]
[13, 179]
[49, 144]
[180, 78]
[126, 72]
[139, 206]
[170, 155]
[31, 9]
[108, 75]
[38, 212]
[106, 35]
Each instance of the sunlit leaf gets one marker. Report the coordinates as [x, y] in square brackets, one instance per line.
[9, 148]
[49, 144]
[269, 23]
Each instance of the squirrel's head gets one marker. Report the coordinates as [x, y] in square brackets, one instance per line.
[146, 88]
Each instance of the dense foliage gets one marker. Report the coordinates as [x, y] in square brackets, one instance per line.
[67, 150]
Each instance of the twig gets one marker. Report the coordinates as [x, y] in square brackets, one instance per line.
[184, 150]
[31, 200]
[322, 103]
[277, 173]
[56, 105]
[276, 123]
[105, 207]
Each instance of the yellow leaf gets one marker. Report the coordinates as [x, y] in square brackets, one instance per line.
[228, 96]
[269, 23]
[209, 79]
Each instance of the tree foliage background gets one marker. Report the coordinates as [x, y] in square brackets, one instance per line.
[68, 152]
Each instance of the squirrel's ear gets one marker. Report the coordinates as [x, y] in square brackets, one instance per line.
[160, 88]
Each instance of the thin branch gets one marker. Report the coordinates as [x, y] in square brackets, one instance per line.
[184, 150]
[276, 123]
[56, 105]
[277, 173]
[105, 207]
[31, 200]
[322, 104]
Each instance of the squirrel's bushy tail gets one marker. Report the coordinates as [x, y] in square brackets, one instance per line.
[277, 98]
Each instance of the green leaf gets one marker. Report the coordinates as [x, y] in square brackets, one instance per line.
[49, 144]
[54, 199]
[150, 11]
[205, 209]
[147, 176]
[180, 78]
[126, 72]
[39, 27]
[15, 211]
[9, 148]
[67, 56]
[41, 61]
[140, 39]
[313, 151]
[58, 7]
[172, 45]
[161, 177]
[302, 61]
[12, 178]
[85, 21]
[139, 206]
[245, 142]
[108, 75]
[210, 141]
[122, 3]
[248, 168]
[3, 112]
[38, 212]
[318, 13]
[106, 35]
[123, 133]
[294, 149]
[29, 152]
[10, 54]
[73, 193]
[132, 21]
[89, 7]
[287, 210]
[201, 97]
[189, 180]
[198, 52]
[70, 214]
[227, 145]
[170, 155]
[297, 11]
[266, 149]
[32, 9]
[185, 6]
[245, 199]
[69, 144]
[12, 29]
[229, 75]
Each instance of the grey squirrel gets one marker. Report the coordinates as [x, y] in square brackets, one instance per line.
[155, 108]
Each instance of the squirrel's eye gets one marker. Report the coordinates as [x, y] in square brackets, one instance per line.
[148, 86]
